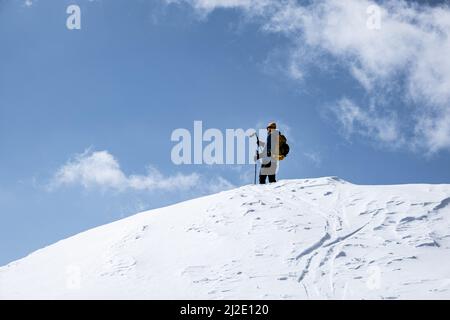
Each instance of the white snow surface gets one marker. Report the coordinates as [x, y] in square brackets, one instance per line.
[321, 238]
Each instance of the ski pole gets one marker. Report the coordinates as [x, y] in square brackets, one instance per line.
[255, 171]
[257, 153]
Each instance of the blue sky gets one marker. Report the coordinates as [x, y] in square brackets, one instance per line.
[371, 108]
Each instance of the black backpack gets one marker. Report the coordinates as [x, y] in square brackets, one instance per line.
[283, 147]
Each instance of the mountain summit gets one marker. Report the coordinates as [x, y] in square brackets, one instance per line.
[297, 239]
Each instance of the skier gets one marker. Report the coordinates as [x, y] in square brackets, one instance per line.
[269, 161]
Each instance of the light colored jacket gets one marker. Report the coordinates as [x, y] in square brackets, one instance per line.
[269, 154]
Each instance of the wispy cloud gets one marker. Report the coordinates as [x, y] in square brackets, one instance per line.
[204, 7]
[101, 170]
[28, 3]
[366, 122]
[314, 157]
[405, 61]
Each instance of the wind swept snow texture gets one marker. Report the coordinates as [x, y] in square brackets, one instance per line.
[318, 238]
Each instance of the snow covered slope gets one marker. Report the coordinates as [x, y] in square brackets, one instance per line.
[315, 238]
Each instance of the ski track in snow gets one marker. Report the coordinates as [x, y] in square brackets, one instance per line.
[319, 238]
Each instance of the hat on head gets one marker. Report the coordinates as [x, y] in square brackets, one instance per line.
[272, 125]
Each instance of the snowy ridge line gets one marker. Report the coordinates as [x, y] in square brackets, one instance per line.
[355, 242]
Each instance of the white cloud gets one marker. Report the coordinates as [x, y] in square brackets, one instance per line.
[28, 3]
[206, 6]
[354, 119]
[100, 169]
[219, 184]
[314, 157]
[406, 59]
[434, 132]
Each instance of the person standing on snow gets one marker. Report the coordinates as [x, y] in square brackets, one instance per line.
[269, 161]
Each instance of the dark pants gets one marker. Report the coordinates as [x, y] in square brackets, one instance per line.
[262, 178]
[267, 170]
